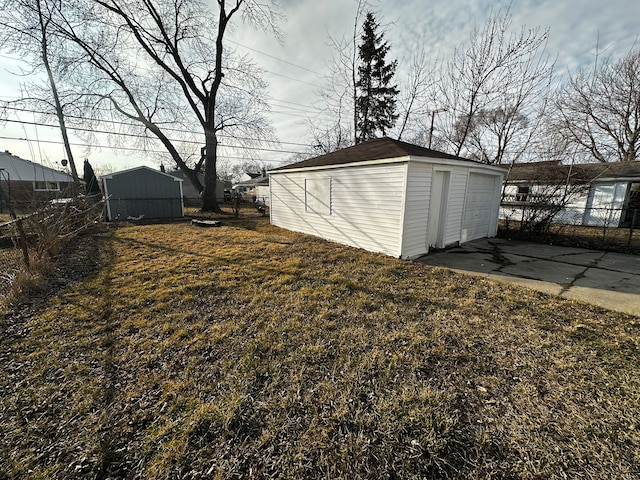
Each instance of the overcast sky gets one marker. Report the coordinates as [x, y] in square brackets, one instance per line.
[295, 68]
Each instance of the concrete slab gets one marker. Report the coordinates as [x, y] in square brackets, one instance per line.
[476, 262]
[609, 280]
[545, 270]
[539, 250]
[616, 301]
[511, 258]
[584, 258]
[620, 262]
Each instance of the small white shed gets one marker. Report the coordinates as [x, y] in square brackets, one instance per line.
[388, 196]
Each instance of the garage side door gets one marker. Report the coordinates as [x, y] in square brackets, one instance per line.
[478, 218]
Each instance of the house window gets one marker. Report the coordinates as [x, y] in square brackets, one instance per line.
[317, 195]
[523, 193]
[46, 186]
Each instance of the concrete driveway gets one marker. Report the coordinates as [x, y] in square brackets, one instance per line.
[610, 280]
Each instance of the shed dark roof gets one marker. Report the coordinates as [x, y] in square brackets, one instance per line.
[376, 149]
[554, 172]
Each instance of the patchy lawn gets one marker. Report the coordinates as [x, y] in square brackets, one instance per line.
[247, 351]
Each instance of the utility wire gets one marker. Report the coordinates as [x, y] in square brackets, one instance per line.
[115, 122]
[275, 58]
[137, 149]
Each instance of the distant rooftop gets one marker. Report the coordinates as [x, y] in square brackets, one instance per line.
[19, 169]
[579, 172]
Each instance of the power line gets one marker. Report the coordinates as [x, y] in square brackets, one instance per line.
[133, 149]
[115, 122]
[275, 58]
[291, 78]
[136, 149]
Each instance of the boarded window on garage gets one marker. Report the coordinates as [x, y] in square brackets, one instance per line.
[318, 195]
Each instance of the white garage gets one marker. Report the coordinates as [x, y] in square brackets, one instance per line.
[388, 196]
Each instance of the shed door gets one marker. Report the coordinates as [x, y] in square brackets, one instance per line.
[437, 222]
[479, 218]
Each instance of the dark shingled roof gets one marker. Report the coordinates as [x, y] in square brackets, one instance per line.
[554, 172]
[376, 149]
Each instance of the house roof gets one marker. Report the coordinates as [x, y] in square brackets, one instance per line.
[19, 169]
[376, 149]
[254, 182]
[555, 172]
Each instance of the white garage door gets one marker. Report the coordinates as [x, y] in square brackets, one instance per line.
[479, 218]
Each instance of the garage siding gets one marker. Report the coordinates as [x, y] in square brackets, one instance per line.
[366, 206]
[416, 218]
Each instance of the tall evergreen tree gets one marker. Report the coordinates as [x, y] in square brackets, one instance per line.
[90, 180]
[376, 97]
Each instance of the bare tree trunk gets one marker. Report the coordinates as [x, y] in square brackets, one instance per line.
[209, 200]
[56, 96]
[209, 197]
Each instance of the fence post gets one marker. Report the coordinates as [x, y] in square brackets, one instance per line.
[633, 222]
[605, 224]
[23, 242]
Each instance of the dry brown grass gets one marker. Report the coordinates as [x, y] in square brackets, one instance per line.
[250, 352]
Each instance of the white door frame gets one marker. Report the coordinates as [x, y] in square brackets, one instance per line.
[439, 204]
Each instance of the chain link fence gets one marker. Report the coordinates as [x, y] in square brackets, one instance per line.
[11, 256]
[602, 228]
[32, 238]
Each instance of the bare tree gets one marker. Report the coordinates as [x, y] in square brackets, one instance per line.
[599, 110]
[494, 91]
[338, 97]
[154, 64]
[26, 30]
[414, 93]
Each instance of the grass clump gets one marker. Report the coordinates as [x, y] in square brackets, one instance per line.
[259, 353]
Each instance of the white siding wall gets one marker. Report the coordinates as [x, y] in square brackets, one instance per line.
[416, 216]
[366, 206]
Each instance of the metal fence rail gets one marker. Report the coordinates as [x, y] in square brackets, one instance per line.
[608, 228]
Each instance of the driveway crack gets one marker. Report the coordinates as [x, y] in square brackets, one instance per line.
[499, 258]
[567, 286]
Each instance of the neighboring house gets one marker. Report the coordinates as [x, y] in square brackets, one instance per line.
[190, 193]
[29, 184]
[599, 193]
[256, 189]
[142, 192]
[388, 196]
[246, 176]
